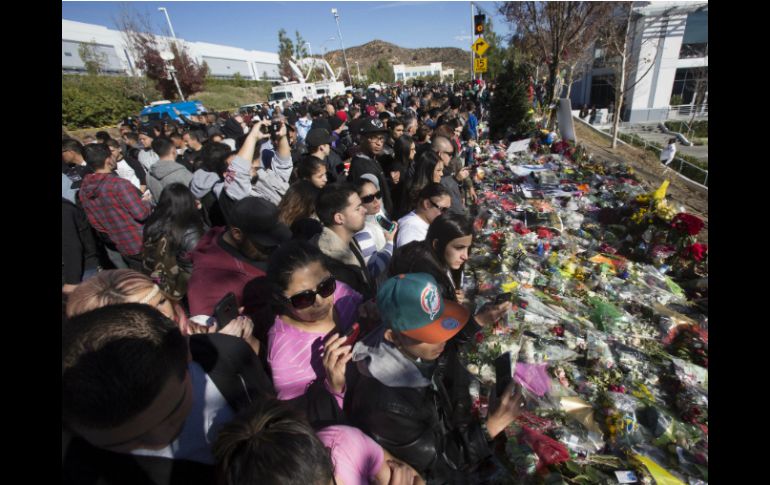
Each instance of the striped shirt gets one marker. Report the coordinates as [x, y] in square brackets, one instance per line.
[376, 260]
[294, 355]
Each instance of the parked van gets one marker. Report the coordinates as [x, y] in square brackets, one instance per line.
[165, 111]
[291, 92]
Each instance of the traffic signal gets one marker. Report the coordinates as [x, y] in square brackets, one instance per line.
[478, 22]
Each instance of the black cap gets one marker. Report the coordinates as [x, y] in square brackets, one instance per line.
[322, 123]
[317, 137]
[258, 220]
[381, 99]
[373, 125]
[335, 123]
[214, 130]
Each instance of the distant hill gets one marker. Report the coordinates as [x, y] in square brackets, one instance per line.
[369, 53]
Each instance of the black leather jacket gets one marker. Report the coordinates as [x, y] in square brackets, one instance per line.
[431, 428]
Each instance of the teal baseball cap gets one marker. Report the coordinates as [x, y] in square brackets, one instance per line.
[412, 304]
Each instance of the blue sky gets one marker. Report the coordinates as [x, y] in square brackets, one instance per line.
[255, 25]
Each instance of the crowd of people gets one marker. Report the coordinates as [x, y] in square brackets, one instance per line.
[275, 296]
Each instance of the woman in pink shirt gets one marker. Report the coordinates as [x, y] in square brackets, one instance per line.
[310, 305]
[272, 444]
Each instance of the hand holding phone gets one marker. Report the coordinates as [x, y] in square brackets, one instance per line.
[503, 373]
[226, 310]
[385, 223]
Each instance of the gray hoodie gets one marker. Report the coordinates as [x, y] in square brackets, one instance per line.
[166, 172]
[204, 182]
[378, 358]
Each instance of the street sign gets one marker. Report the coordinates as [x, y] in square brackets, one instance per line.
[480, 64]
[480, 46]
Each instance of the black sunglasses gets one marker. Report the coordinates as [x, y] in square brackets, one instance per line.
[442, 209]
[306, 298]
[368, 199]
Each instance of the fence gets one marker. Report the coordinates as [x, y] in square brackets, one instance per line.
[679, 112]
[688, 170]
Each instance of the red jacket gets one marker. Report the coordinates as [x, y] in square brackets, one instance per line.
[217, 271]
[115, 207]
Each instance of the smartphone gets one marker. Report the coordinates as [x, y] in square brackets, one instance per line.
[385, 223]
[226, 310]
[503, 373]
[352, 334]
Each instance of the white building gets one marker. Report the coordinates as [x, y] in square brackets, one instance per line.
[403, 72]
[223, 61]
[669, 48]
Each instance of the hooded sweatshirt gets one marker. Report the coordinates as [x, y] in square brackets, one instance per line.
[218, 268]
[166, 172]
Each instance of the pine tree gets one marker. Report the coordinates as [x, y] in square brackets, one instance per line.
[509, 110]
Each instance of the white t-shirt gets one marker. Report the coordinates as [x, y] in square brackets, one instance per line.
[125, 171]
[210, 412]
[411, 227]
[667, 154]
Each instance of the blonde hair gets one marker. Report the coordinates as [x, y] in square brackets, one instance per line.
[110, 288]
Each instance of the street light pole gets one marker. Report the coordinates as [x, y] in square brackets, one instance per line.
[168, 19]
[344, 56]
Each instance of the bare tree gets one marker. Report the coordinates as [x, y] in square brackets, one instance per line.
[92, 58]
[136, 29]
[553, 27]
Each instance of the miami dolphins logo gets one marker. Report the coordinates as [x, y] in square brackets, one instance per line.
[429, 300]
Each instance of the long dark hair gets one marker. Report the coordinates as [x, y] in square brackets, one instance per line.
[298, 202]
[423, 257]
[174, 215]
[401, 150]
[283, 262]
[423, 175]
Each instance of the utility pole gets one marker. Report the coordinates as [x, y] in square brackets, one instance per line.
[473, 26]
[344, 56]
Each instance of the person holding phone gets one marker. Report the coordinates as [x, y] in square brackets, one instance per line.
[412, 394]
[376, 238]
[306, 351]
[117, 286]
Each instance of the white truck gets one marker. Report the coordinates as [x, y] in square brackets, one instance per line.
[291, 92]
[330, 88]
[294, 91]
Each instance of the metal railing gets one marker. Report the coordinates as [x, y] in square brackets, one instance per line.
[688, 170]
[679, 112]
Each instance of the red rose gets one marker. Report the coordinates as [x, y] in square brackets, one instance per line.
[698, 251]
[688, 223]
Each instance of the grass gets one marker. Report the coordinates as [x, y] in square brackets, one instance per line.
[686, 170]
[700, 129]
[225, 98]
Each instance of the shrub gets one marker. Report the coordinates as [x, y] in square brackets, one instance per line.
[96, 101]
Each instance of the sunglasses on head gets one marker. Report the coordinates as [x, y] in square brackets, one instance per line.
[368, 199]
[442, 209]
[306, 298]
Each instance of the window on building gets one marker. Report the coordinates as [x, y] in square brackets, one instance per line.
[602, 90]
[68, 54]
[687, 84]
[696, 36]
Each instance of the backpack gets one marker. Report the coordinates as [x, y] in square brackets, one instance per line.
[161, 265]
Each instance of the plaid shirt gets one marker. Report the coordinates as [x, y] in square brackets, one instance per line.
[114, 207]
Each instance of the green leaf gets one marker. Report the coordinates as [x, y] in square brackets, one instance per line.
[573, 467]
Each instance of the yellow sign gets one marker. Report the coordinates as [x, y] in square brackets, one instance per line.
[480, 64]
[480, 46]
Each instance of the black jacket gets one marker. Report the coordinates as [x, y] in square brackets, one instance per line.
[239, 376]
[78, 245]
[431, 428]
[362, 164]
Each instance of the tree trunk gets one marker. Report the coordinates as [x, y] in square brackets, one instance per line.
[620, 95]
